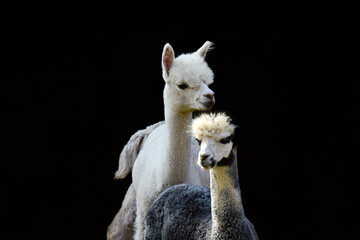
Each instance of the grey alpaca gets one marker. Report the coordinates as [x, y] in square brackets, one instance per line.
[194, 212]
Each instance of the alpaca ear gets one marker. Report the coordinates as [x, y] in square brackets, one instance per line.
[204, 49]
[167, 59]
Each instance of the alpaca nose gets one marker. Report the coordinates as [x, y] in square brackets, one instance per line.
[209, 95]
[204, 156]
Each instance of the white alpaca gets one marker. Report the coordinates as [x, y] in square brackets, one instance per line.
[122, 226]
[163, 154]
[194, 212]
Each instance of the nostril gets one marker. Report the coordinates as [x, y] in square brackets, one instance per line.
[209, 95]
[204, 156]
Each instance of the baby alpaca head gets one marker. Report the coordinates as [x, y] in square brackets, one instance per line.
[187, 78]
[214, 133]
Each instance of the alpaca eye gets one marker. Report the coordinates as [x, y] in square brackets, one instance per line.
[183, 86]
[225, 140]
[199, 141]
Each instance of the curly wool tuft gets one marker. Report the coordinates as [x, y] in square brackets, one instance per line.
[208, 125]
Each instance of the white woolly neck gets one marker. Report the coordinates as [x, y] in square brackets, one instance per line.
[179, 143]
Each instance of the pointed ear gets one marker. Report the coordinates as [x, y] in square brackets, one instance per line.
[204, 49]
[167, 59]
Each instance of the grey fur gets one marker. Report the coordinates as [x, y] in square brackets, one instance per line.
[184, 212]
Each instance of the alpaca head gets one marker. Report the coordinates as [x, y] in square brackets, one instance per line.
[214, 133]
[187, 79]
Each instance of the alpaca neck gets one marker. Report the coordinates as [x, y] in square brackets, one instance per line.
[179, 144]
[226, 205]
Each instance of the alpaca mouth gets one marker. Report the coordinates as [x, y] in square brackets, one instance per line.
[208, 104]
[207, 164]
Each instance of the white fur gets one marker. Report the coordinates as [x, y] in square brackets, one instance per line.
[122, 226]
[168, 155]
[131, 150]
[210, 129]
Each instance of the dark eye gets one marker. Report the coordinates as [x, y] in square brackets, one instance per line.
[225, 140]
[199, 141]
[183, 86]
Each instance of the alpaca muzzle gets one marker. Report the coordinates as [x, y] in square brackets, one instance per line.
[208, 103]
[206, 162]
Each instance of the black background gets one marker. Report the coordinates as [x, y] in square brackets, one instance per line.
[79, 80]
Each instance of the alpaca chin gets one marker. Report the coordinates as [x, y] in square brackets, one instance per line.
[208, 104]
[207, 163]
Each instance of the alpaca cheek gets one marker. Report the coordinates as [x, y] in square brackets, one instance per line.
[223, 151]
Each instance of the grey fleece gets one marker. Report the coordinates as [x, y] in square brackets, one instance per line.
[184, 212]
